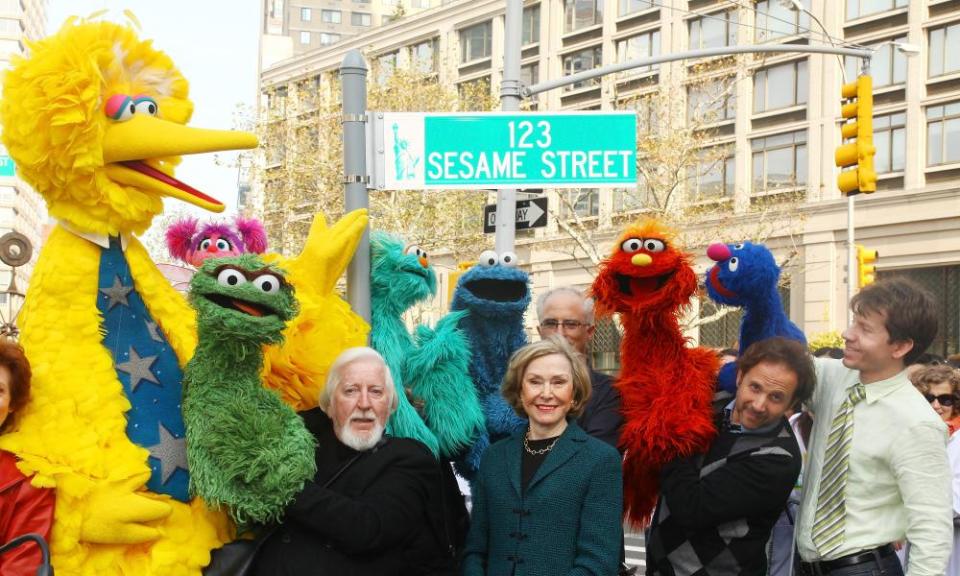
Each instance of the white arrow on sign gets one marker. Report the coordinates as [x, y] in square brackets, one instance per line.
[530, 214]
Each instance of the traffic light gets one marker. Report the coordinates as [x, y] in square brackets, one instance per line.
[454, 276]
[858, 151]
[866, 265]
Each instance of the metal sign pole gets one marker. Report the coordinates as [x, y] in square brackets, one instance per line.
[353, 83]
[509, 102]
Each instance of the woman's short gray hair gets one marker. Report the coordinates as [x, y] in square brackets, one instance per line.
[347, 357]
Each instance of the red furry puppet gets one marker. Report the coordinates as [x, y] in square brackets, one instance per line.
[666, 387]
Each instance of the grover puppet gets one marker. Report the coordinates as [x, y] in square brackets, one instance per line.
[666, 387]
[746, 275]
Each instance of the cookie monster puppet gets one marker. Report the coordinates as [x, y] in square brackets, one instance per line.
[435, 365]
[746, 275]
[495, 293]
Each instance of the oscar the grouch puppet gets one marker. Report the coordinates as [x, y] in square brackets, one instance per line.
[248, 452]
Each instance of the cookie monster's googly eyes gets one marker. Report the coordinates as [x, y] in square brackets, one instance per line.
[738, 246]
[120, 107]
[231, 277]
[631, 245]
[267, 283]
[733, 264]
[223, 245]
[654, 245]
[488, 258]
[146, 105]
[508, 259]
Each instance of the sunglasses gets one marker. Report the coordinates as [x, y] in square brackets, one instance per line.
[943, 399]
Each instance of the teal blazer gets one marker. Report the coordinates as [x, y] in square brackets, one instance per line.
[569, 521]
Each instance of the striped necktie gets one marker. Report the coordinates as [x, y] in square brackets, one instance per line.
[828, 523]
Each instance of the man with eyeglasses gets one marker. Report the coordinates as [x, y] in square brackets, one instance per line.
[567, 312]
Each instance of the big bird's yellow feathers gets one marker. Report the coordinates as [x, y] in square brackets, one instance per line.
[103, 177]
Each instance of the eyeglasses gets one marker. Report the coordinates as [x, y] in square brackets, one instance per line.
[943, 399]
[567, 324]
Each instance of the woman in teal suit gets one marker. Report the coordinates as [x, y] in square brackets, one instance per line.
[548, 500]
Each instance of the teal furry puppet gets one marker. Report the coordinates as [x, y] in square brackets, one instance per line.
[247, 450]
[435, 365]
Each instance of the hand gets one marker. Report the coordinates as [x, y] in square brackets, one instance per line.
[116, 514]
[327, 251]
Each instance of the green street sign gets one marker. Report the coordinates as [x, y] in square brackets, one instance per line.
[7, 167]
[501, 150]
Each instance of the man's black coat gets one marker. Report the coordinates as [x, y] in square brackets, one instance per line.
[382, 516]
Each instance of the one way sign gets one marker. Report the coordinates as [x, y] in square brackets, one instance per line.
[531, 213]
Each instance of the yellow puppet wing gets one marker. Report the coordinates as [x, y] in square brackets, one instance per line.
[72, 433]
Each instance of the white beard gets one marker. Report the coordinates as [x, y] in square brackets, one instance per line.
[362, 441]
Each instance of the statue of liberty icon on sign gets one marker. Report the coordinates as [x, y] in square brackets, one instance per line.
[404, 161]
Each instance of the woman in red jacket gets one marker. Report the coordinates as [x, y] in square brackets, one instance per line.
[23, 507]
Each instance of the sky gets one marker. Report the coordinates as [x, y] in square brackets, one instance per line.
[214, 43]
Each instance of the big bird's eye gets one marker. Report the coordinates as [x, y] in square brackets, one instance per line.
[631, 245]
[223, 245]
[733, 264]
[205, 244]
[231, 277]
[120, 107]
[488, 258]
[508, 259]
[267, 283]
[146, 105]
[654, 245]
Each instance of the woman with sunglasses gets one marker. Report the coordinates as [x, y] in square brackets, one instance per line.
[940, 385]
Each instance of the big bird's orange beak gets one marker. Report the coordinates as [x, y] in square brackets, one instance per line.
[127, 146]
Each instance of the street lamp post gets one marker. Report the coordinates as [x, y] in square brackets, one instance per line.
[15, 250]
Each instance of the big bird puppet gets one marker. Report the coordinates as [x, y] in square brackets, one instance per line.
[666, 387]
[95, 121]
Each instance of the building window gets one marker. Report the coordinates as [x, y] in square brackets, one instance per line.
[780, 86]
[775, 20]
[646, 45]
[578, 62]
[474, 94]
[386, 66]
[779, 161]
[360, 19]
[579, 14]
[306, 14]
[889, 138]
[630, 199]
[943, 282]
[424, 56]
[712, 100]
[327, 38]
[531, 25]
[330, 16]
[887, 67]
[530, 74]
[304, 37]
[943, 134]
[475, 42]
[858, 8]
[631, 6]
[714, 31]
[944, 55]
[584, 202]
[713, 176]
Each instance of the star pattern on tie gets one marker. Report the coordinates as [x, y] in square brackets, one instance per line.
[117, 294]
[171, 452]
[138, 368]
[152, 330]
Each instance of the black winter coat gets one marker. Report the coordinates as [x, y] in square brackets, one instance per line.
[382, 516]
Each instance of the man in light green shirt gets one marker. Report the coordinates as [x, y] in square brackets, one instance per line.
[886, 479]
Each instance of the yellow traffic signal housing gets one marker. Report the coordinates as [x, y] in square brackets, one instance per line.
[866, 265]
[454, 276]
[858, 153]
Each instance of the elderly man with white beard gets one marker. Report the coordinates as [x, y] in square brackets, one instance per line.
[372, 508]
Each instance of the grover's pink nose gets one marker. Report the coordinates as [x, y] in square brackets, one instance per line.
[718, 252]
